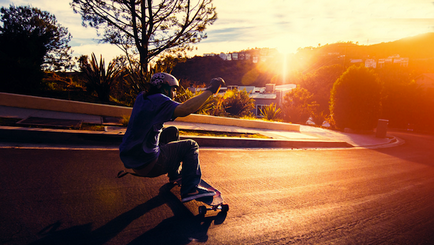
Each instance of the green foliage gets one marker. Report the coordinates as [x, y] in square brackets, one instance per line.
[125, 120]
[99, 78]
[270, 112]
[213, 105]
[237, 103]
[356, 99]
[320, 83]
[298, 105]
[182, 94]
[319, 118]
[424, 112]
[238, 72]
[148, 28]
[30, 39]
[134, 81]
[40, 28]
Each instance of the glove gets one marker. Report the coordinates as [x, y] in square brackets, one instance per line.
[215, 84]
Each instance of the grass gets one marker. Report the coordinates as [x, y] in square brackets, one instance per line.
[221, 134]
[92, 127]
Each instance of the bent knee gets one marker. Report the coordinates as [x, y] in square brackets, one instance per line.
[193, 143]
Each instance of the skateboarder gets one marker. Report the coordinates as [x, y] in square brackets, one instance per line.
[148, 155]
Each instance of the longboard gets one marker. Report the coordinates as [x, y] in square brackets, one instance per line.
[215, 202]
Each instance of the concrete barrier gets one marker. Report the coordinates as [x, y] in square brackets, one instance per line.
[196, 118]
[41, 103]
[49, 104]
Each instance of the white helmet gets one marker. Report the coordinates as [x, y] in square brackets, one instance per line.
[158, 79]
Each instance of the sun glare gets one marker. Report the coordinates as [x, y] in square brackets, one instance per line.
[284, 49]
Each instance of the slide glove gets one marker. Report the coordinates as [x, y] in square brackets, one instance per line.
[215, 84]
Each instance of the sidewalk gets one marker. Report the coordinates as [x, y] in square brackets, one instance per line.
[308, 137]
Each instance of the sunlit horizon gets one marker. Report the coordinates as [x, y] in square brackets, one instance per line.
[280, 24]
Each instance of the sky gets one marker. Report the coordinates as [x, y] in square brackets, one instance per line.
[283, 24]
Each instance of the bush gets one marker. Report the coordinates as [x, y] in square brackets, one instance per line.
[298, 105]
[356, 99]
[238, 103]
[270, 112]
[99, 78]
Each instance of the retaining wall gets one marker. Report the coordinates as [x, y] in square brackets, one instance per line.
[41, 103]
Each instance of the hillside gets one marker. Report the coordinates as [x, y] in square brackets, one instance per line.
[198, 70]
[417, 47]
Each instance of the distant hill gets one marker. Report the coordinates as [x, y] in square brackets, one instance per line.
[417, 47]
[197, 70]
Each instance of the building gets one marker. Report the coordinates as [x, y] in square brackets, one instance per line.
[394, 59]
[401, 61]
[370, 63]
[264, 96]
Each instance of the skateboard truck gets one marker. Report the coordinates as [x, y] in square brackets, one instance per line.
[222, 207]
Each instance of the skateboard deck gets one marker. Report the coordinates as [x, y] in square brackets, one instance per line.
[215, 202]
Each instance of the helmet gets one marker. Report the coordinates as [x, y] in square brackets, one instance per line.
[158, 79]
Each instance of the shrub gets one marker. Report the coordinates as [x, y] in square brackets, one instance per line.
[298, 105]
[356, 99]
[270, 112]
[99, 78]
[238, 103]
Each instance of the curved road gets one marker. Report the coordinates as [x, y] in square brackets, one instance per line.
[348, 196]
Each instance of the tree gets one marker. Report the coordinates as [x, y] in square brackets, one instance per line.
[34, 25]
[30, 39]
[148, 28]
[401, 96]
[356, 99]
[99, 78]
[320, 83]
[298, 105]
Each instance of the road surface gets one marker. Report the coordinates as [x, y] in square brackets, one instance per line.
[348, 196]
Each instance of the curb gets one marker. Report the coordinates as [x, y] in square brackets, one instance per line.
[100, 138]
[231, 142]
[50, 136]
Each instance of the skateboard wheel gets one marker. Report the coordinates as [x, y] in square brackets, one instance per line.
[225, 208]
[202, 210]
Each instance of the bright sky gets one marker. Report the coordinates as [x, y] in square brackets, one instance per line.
[282, 24]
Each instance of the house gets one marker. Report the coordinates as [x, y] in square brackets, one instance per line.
[370, 63]
[265, 96]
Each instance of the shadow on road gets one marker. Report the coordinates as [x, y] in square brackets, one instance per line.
[182, 228]
[417, 147]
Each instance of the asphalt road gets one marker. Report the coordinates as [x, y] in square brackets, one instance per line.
[350, 196]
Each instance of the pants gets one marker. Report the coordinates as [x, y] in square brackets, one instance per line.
[174, 151]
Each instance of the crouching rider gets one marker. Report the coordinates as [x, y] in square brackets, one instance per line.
[150, 151]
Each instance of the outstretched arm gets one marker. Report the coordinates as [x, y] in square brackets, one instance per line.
[193, 104]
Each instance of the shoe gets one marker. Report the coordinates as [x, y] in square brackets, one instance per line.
[176, 180]
[197, 193]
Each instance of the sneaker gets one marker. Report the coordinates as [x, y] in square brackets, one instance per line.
[177, 180]
[197, 193]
